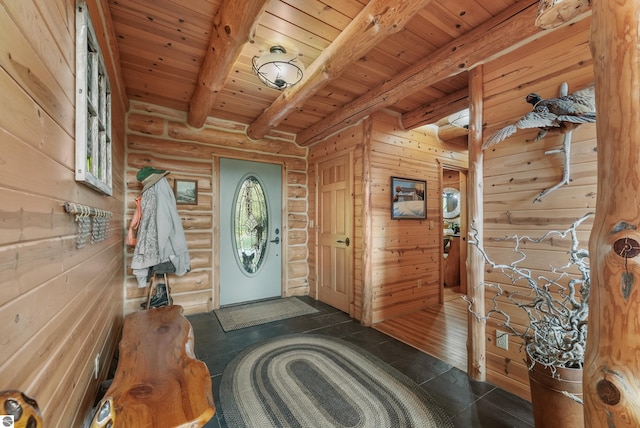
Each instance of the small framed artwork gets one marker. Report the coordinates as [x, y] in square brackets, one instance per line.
[186, 191]
[408, 198]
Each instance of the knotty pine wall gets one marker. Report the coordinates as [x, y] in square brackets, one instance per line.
[397, 262]
[517, 170]
[406, 254]
[160, 137]
[59, 306]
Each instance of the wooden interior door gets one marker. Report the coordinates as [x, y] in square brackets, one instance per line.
[335, 229]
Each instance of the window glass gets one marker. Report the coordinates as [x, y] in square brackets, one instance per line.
[93, 108]
[250, 224]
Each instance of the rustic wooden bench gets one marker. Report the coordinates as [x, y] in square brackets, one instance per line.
[158, 382]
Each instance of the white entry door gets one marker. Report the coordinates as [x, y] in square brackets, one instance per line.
[250, 231]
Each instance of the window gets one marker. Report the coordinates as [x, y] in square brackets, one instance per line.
[250, 225]
[93, 108]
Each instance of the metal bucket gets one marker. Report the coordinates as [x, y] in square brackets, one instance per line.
[552, 408]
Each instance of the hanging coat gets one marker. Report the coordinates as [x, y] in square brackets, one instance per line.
[160, 234]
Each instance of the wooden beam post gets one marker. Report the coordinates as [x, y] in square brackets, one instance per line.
[233, 26]
[378, 20]
[367, 223]
[433, 112]
[503, 33]
[612, 367]
[476, 346]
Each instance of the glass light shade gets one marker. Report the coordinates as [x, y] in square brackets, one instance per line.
[460, 119]
[278, 69]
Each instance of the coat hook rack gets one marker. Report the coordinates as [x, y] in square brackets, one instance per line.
[89, 220]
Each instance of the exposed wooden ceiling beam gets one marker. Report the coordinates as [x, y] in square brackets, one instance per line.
[375, 22]
[499, 35]
[233, 26]
[433, 112]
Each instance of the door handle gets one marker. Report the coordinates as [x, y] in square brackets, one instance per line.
[345, 242]
[276, 241]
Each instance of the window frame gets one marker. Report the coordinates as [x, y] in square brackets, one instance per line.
[93, 160]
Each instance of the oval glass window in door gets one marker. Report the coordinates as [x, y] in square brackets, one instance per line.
[250, 224]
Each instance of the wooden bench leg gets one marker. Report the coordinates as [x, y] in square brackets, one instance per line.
[150, 292]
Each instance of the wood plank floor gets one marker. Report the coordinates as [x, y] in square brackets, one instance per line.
[440, 330]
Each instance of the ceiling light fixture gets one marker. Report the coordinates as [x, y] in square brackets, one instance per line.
[277, 69]
[460, 119]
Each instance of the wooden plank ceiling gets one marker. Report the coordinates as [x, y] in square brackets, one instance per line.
[360, 56]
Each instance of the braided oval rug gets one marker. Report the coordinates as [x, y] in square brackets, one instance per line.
[304, 380]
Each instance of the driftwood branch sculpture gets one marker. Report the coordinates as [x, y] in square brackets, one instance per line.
[556, 304]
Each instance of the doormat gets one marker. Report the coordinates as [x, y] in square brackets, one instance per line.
[252, 314]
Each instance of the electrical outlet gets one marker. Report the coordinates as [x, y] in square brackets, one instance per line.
[96, 366]
[502, 340]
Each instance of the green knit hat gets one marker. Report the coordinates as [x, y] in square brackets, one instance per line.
[149, 176]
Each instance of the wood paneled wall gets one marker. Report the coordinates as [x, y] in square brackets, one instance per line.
[451, 178]
[60, 306]
[406, 254]
[161, 137]
[517, 170]
[397, 262]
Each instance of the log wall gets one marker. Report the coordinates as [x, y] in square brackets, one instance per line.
[517, 170]
[60, 306]
[160, 137]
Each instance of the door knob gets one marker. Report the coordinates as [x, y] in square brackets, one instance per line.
[345, 242]
[276, 241]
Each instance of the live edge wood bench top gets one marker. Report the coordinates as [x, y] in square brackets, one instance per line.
[159, 382]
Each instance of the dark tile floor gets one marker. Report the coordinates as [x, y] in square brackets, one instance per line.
[469, 403]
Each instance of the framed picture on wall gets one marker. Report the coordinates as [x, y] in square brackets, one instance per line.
[408, 198]
[186, 191]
